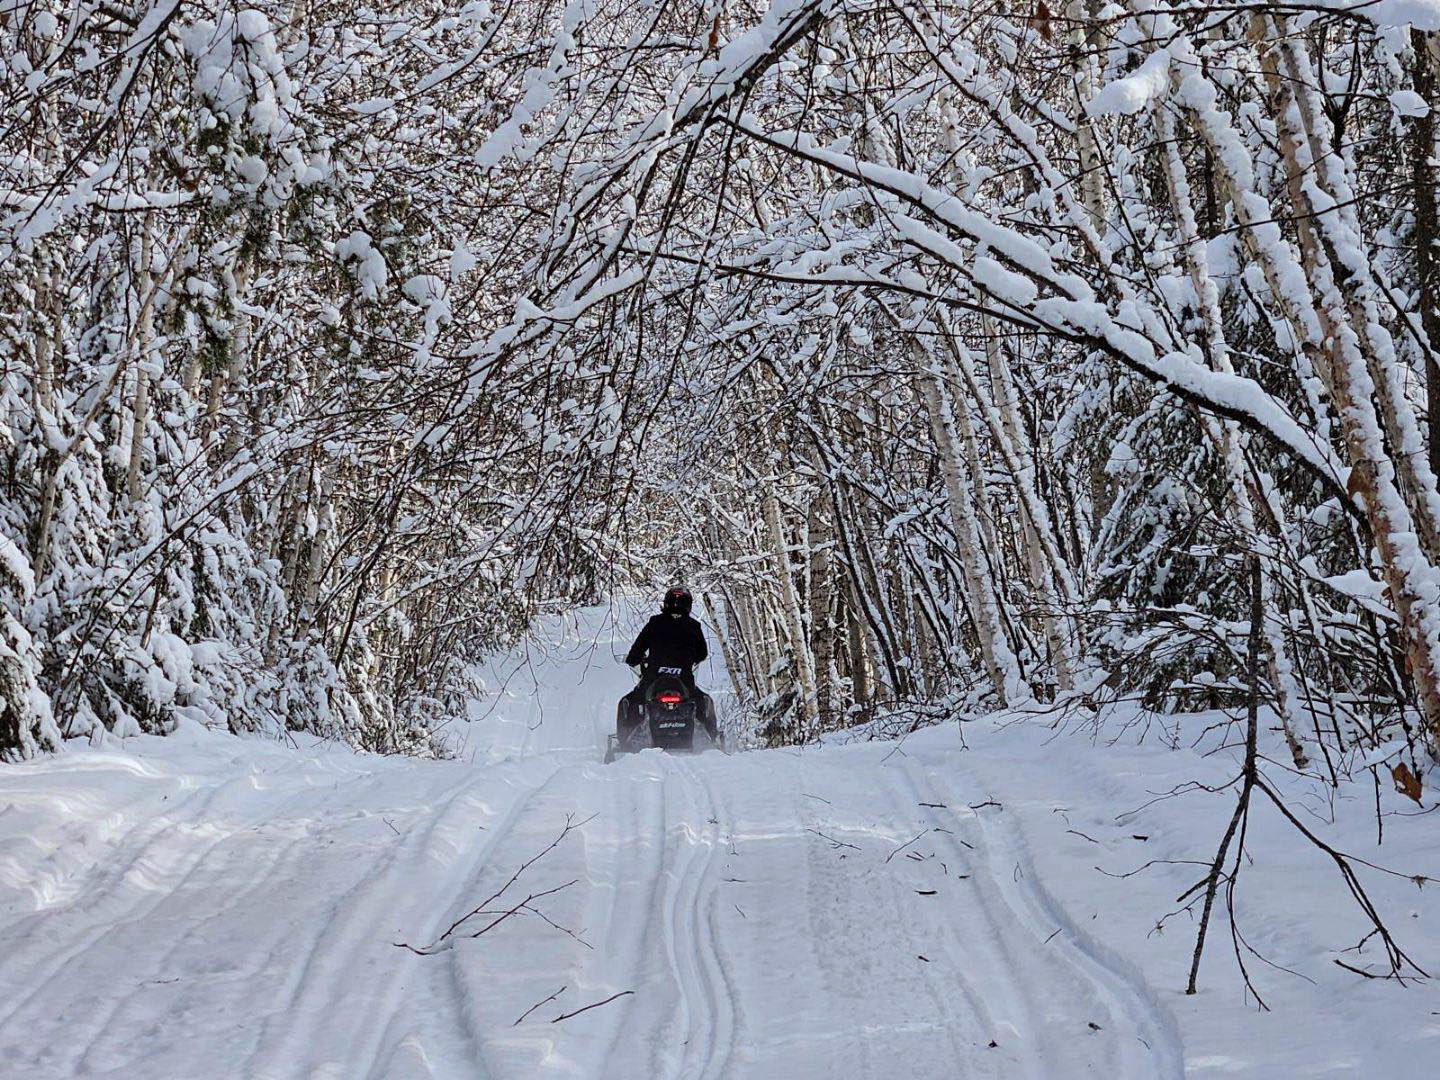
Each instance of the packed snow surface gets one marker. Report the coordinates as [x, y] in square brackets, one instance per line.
[205, 906]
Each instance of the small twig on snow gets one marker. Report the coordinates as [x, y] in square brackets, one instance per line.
[537, 1004]
[906, 844]
[832, 840]
[570, 825]
[587, 1008]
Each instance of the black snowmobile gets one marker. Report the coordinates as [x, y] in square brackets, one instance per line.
[669, 718]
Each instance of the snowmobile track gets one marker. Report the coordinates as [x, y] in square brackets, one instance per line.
[234, 910]
[706, 1005]
[136, 884]
[1120, 991]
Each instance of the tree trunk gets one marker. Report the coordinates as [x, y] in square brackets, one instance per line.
[1049, 575]
[140, 404]
[995, 653]
[790, 608]
[1425, 178]
[1229, 440]
[1092, 178]
[858, 653]
[822, 626]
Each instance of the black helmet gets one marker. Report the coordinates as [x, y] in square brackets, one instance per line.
[678, 601]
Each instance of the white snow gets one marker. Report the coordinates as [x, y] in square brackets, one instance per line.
[462, 261]
[1132, 93]
[1423, 15]
[1408, 103]
[370, 269]
[201, 905]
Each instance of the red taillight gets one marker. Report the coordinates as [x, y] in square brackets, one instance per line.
[669, 697]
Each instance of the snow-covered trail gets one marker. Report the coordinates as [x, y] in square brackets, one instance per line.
[209, 907]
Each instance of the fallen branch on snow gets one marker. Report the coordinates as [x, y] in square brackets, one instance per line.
[503, 914]
[587, 1008]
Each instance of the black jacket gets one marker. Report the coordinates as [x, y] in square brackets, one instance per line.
[668, 641]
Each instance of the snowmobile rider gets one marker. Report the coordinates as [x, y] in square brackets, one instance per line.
[672, 643]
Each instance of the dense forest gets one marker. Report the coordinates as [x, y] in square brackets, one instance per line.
[958, 355]
[1037, 405]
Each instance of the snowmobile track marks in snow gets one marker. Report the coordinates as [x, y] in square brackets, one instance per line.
[303, 1028]
[692, 944]
[1011, 889]
[130, 891]
[765, 909]
[681, 995]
